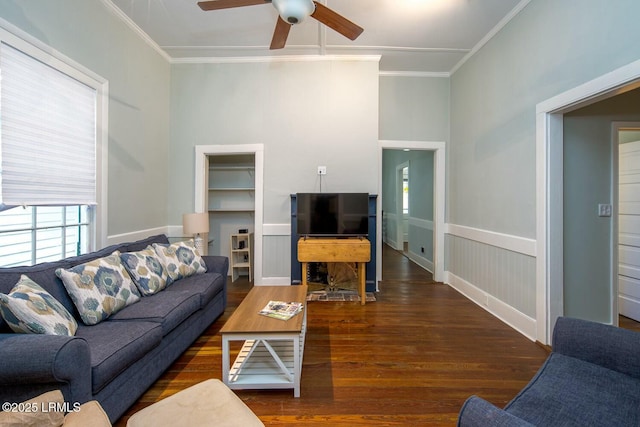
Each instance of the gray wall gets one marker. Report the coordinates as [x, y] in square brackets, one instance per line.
[306, 114]
[414, 108]
[548, 48]
[588, 181]
[138, 76]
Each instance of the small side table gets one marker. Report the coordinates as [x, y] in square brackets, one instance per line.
[355, 249]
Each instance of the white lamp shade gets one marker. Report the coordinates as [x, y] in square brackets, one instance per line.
[294, 11]
[195, 223]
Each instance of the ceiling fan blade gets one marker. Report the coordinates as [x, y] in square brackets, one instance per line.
[227, 4]
[280, 34]
[336, 21]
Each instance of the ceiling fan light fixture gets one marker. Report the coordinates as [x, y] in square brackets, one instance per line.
[294, 11]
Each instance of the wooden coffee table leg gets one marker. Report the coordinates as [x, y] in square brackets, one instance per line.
[225, 359]
[362, 282]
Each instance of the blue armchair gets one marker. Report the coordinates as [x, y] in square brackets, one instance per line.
[592, 378]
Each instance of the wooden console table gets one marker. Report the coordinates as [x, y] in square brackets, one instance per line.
[356, 250]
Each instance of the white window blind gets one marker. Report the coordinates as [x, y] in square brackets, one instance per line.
[47, 134]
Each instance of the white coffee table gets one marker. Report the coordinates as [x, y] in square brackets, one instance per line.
[271, 356]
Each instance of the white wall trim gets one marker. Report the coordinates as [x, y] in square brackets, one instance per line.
[276, 281]
[495, 30]
[503, 311]
[135, 28]
[270, 59]
[427, 74]
[276, 229]
[137, 235]
[426, 224]
[549, 142]
[509, 242]
[421, 261]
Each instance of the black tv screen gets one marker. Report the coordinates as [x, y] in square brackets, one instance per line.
[332, 214]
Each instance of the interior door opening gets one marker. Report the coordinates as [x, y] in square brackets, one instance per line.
[408, 203]
[628, 275]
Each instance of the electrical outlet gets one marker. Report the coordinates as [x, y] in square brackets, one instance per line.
[604, 210]
[322, 170]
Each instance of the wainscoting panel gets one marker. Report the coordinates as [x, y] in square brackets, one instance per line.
[390, 229]
[276, 255]
[503, 274]
[421, 242]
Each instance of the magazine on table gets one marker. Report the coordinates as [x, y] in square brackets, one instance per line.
[281, 310]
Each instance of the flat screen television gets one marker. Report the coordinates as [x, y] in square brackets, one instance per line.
[332, 214]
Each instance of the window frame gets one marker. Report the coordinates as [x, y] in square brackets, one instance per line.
[13, 36]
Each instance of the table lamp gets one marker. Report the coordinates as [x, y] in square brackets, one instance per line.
[196, 224]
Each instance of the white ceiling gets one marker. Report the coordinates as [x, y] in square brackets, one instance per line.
[412, 36]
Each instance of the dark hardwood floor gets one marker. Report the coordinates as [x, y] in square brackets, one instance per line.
[410, 358]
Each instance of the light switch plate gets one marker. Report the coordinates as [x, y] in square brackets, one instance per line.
[604, 210]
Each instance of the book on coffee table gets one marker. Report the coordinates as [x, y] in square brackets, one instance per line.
[281, 310]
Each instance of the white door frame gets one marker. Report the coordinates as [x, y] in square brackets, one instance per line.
[399, 187]
[201, 190]
[439, 159]
[549, 197]
[616, 128]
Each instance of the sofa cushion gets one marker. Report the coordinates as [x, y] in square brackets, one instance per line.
[571, 392]
[168, 309]
[206, 286]
[117, 345]
[30, 309]
[146, 270]
[99, 288]
[181, 259]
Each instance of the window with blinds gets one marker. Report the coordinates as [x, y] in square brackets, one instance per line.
[48, 157]
[47, 134]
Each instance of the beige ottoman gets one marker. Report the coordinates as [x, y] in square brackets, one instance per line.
[209, 403]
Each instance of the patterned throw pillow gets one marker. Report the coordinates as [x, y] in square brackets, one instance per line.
[29, 309]
[99, 288]
[146, 270]
[180, 259]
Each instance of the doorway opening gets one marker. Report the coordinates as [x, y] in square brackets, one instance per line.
[228, 185]
[627, 140]
[550, 262]
[424, 164]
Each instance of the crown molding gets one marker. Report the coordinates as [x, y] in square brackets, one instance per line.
[400, 48]
[428, 74]
[135, 28]
[495, 30]
[280, 58]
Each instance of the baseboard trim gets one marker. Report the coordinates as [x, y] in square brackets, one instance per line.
[503, 311]
[421, 261]
[274, 281]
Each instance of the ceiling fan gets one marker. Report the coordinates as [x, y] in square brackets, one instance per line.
[292, 12]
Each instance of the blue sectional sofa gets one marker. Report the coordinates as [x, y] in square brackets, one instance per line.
[592, 378]
[116, 360]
